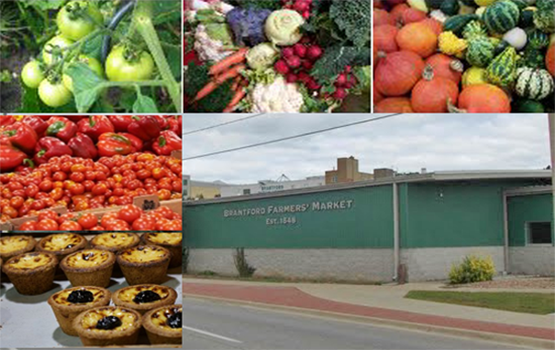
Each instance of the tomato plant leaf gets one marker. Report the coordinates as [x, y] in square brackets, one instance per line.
[144, 104]
[44, 5]
[173, 55]
[87, 86]
[93, 47]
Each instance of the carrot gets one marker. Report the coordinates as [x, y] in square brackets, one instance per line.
[224, 64]
[231, 73]
[206, 90]
[236, 83]
[239, 94]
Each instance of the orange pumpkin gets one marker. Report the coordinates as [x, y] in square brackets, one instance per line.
[550, 59]
[382, 17]
[412, 15]
[435, 25]
[394, 105]
[397, 12]
[376, 96]
[417, 37]
[397, 72]
[384, 38]
[446, 66]
[483, 98]
[433, 93]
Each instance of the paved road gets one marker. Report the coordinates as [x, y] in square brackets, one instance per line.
[211, 325]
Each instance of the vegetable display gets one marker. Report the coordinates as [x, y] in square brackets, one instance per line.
[105, 56]
[464, 56]
[276, 56]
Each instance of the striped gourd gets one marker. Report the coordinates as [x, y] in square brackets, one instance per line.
[502, 70]
[544, 20]
[457, 23]
[474, 29]
[522, 4]
[534, 84]
[532, 58]
[501, 17]
[538, 39]
[480, 52]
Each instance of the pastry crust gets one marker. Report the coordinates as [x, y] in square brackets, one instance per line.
[145, 264]
[115, 241]
[62, 244]
[66, 311]
[31, 273]
[90, 336]
[89, 267]
[11, 246]
[124, 297]
[169, 240]
[157, 330]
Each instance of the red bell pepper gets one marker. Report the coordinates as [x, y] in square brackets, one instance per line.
[145, 127]
[175, 124]
[162, 121]
[167, 142]
[111, 144]
[21, 136]
[135, 141]
[6, 120]
[83, 146]
[120, 122]
[95, 125]
[49, 147]
[61, 127]
[10, 158]
[37, 123]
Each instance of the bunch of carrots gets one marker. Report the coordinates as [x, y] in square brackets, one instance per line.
[228, 68]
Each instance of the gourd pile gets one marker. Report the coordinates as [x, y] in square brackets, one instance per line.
[469, 56]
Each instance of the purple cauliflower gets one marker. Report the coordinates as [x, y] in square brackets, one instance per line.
[248, 25]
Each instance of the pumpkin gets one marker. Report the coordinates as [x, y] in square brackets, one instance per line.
[550, 59]
[435, 25]
[418, 38]
[412, 15]
[445, 66]
[384, 38]
[533, 84]
[382, 17]
[482, 98]
[433, 93]
[394, 105]
[376, 96]
[397, 72]
[397, 12]
[474, 76]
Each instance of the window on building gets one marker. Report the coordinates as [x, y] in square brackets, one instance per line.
[334, 179]
[246, 191]
[539, 233]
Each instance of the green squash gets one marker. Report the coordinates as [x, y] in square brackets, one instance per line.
[532, 58]
[450, 7]
[501, 16]
[527, 106]
[434, 4]
[544, 20]
[502, 69]
[533, 84]
[457, 23]
[474, 29]
[527, 17]
[538, 39]
[480, 52]
[522, 4]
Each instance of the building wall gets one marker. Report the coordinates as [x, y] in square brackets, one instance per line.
[346, 264]
[530, 208]
[272, 186]
[205, 192]
[532, 260]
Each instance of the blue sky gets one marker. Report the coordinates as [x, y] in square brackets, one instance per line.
[406, 143]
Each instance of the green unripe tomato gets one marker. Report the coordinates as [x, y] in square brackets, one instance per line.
[58, 41]
[54, 94]
[32, 74]
[118, 68]
[93, 64]
[75, 25]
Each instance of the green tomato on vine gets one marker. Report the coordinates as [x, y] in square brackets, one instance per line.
[32, 74]
[56, 42]
[122, 66]
[79, 18]
[54, 94]
[93, 64]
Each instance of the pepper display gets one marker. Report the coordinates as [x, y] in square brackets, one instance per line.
[83, 146]
[95, 126]
[10, 157]
[61, 127]
[21, 136]
[146, 128]
[49, 147]
[167, 142]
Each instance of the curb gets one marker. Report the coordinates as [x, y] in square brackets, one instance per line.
[495, 337]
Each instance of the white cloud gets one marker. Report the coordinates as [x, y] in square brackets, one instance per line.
[406, 142]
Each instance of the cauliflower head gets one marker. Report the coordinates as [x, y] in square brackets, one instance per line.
[278, 97]
[207, 45]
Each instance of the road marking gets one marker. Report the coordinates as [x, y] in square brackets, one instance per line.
[212, 334]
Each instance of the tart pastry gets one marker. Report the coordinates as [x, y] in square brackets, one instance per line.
[70, 302]
[144, 264]
[108, 325]
[163, 325]
[115, 241]
[144, 297]
[169, 240]
[89, 267]
[31, 273]
[62, 244]
[11, 246]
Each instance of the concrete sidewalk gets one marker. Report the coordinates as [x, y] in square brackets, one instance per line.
[385, 303]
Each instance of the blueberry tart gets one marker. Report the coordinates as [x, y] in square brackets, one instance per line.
[144, 297]
[144, 264]
[115, 241]
[31, 273]
[169, 240]
[108, 325]
[62, 244]
[11, 246]
[163, 325]
[69, 303]
[89, 267]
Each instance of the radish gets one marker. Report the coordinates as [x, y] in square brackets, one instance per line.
[291, 78]
[300, 50]
[313, 85]
[281, 67]
[340, 94]
[293, 61]
[314, 52]
[304, 77]
[341, 79]
[288, 52]
[308, 64]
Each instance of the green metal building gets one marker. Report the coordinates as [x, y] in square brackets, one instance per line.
[410, 227]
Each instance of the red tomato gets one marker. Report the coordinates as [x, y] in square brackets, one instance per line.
[70, 226]
[28, 226]
[130, 213]
[16, 202]
[87, 221]
[47, 214]
[106, 218]
[47, 225]
[144, 223]
[117, 225]
[31, 190]
[77, 177]
[10, 211]
[77, 189]
[164, 194]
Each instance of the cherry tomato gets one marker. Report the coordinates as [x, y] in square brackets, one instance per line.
[16, 202]
[45, 186]
[47, 214]
[28, 226]
[121, 67]
[10, 211]
[47, 225]
[70, 226]
[88, 221]
[106, 218]
[144, 223]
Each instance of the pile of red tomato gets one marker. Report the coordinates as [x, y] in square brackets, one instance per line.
[129, 217]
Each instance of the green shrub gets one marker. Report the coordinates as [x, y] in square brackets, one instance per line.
[472, 269]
